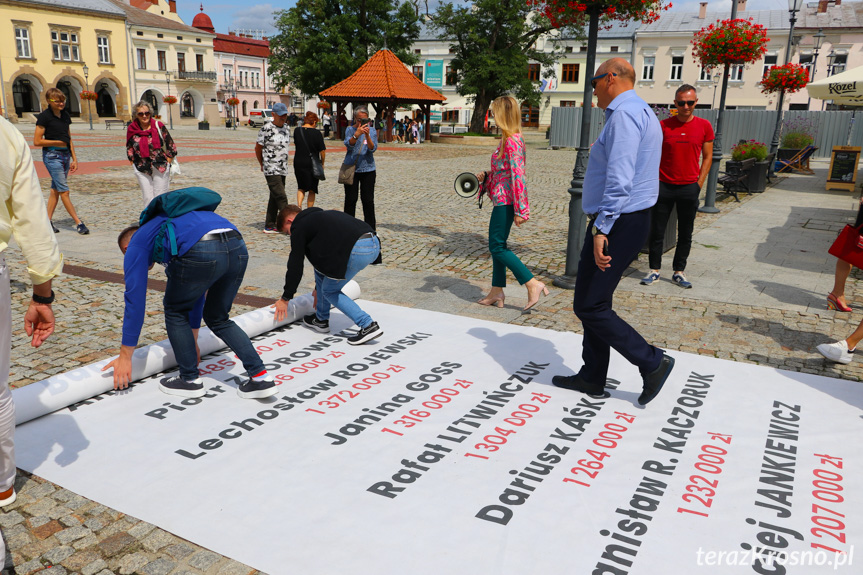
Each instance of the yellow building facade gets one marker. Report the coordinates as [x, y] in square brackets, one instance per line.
[74, 45]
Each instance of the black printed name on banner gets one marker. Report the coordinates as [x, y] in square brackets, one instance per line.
[518, 491]
[778, 466]
[411, 470]
[618, 557]
[301, 355]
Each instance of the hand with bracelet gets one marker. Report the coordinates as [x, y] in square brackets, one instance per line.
[39, 318]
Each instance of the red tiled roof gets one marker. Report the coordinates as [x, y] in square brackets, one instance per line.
[240, 45]
[383, 77]
[139, 17]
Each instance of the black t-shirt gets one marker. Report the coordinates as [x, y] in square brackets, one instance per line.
[316, 144]
[55, 128]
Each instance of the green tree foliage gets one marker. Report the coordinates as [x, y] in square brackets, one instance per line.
[494, 41]
[321, 42]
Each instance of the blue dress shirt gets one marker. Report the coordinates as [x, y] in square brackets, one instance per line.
[360, 151]
[623, 170]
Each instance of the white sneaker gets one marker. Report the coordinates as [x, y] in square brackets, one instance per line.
[837, 352]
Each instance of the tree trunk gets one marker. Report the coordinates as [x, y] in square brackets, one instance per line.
[480, 107]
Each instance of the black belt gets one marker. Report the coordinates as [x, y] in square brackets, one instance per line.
[220, 236]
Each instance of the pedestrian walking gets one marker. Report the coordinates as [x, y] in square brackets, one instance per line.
[54, 136]
[361, 141]
[308, 142]
[271, 149]
[22, 213]
[506, 188]
[338, 246]
[204, 274]
[686, 139]
[327, 119]
[150, 148]
[620, 186]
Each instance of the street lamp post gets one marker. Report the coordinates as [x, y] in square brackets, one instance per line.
[709, 206]
[236, 112]
[819, 41]
[577, 217]
[86, 71]
[716, 77]
[793, 7]
[170, 112]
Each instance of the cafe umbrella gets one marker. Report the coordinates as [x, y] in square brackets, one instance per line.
[844, 88]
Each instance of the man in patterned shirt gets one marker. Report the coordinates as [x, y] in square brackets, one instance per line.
[271, 149]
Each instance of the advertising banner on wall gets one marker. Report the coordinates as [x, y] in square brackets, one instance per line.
[434, 73]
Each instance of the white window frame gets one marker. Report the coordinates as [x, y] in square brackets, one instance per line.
[676, 74]
[65, 45]
[648, 68]
[706, 75]
[103, 46]
[142, 58]
[22, 42]
[767, 66]
[735, 73]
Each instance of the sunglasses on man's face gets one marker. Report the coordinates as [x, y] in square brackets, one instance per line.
[683, 103]
[596, 79]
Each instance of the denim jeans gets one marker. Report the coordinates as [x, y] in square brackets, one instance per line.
[330, 290]
[57, 163]
[215, 268]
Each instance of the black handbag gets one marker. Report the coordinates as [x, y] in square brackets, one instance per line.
[317, 166]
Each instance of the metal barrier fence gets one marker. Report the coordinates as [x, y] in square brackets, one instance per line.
[832, 128]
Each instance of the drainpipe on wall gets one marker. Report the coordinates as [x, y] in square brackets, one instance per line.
[133, 87]
[3, 93]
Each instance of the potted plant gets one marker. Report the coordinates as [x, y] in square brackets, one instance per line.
[204, 124]
[757, 175]
[789, 78]
[738, 41]
[797, 133]
[88, 95]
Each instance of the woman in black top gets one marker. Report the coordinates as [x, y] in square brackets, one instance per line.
[58, 154]
[308, 140]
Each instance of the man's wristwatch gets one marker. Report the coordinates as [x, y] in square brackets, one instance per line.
[597, 231]
[44, 300]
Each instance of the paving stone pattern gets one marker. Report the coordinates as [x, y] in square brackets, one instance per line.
[759, 267]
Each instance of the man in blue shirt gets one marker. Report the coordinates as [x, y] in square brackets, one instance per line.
[203, 279]
[620, 186]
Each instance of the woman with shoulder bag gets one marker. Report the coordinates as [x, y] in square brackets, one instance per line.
[151, 149]
[507, 190]
[310, 147]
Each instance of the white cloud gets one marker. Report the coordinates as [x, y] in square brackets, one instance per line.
[257, 17]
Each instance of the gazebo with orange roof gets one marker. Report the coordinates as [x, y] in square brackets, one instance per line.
[384, 82]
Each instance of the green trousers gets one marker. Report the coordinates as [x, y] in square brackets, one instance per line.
[502, 258]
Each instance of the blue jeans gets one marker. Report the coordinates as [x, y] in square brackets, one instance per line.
[215, 268]
[57, 163]
[330, 290]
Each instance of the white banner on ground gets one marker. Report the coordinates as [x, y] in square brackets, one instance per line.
[443, 448]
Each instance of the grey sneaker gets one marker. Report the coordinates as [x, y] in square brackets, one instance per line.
[681, 280]
[837, 352]
[258, 388]
[650, 278]
[179, 386]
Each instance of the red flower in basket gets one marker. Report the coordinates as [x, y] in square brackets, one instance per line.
[737, 41]
[233, 101]
[88, 95]
[170, 100]
[577, 12]
[790, 78]
[324, 105]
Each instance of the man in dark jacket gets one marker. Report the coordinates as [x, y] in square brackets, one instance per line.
[338, 246]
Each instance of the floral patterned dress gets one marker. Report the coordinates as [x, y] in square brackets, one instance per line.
[507, 176]
[158, 159]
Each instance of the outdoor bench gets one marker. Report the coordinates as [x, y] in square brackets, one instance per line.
[735, 177]
[109, 123]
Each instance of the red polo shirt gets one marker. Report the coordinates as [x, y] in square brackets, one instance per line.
[682, 145]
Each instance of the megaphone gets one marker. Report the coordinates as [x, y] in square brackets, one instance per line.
[466, 185]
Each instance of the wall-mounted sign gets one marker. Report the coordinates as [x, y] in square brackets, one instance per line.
[434, 73]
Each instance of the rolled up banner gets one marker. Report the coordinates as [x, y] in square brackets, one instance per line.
[64, 389]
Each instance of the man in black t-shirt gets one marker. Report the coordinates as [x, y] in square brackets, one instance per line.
[339, 246]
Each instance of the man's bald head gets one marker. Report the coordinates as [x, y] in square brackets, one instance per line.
[613, 77]
[622, 68]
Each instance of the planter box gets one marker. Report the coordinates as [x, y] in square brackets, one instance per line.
[203, 125]
[757, 177]
[786, 153]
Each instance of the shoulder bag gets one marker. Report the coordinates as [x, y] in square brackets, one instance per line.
[849, 246]
[317, 166]
[346, 173]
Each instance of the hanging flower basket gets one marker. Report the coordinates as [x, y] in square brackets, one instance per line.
[790, 78]
[566, 12]
[233, 101]
[170, 100]
[738, 41]
[324, 105]
[88, 95]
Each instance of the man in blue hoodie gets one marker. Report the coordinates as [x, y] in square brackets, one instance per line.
[203, 279]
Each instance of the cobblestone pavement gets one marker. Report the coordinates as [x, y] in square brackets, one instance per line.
[761, 268]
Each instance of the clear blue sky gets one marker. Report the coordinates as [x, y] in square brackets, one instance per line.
[260, 16]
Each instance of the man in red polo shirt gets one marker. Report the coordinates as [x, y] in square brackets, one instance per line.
[684, 138]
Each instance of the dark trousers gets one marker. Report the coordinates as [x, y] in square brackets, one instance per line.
[215, 268]
[364, 186]
[278, 199]
[594, 292]
[685, 197]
